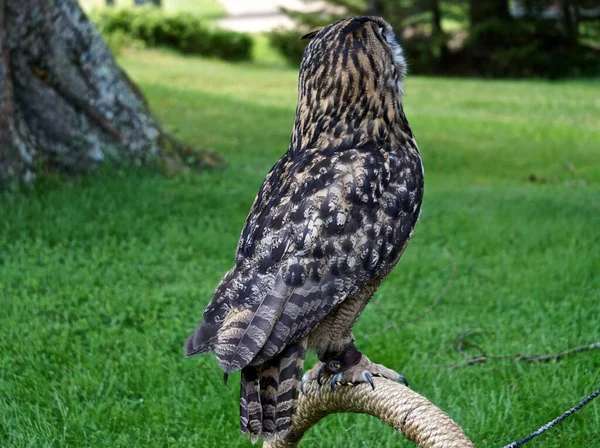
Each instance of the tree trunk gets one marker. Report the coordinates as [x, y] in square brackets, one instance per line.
[436, 16]
[481, 10]
[110, 2]
[528, 6]
[147, 2]
[568, 20]
[65, 104]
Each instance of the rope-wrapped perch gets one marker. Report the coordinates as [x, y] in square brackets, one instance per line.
[403, 409]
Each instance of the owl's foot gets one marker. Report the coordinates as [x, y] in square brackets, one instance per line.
[363, 372]
[348, 369]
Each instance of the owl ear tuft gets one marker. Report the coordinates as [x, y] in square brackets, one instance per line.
[311, 34]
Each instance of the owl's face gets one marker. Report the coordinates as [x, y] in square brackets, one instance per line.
[357, 47]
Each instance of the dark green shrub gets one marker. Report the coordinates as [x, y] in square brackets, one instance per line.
[425, 53]
[510, 49]
[196, 40]
[229, 45]
[118, 40]
[288, 44]
[181, 32]
[146, 25]
[110, 20]
[172, 29]
[497, 33]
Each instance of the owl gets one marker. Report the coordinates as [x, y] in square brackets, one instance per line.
[328, 224]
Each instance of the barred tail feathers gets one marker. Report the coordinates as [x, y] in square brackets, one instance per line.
[250, 408]
[269, 393]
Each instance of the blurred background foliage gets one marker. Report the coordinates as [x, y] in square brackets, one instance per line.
[152, 27]
[492, 38]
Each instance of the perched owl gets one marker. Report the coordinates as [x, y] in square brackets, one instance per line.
[329, 223]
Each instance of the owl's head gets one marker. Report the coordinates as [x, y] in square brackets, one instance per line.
[350, 87]
[360, 51]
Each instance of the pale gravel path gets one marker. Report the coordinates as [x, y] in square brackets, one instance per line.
[260, 15]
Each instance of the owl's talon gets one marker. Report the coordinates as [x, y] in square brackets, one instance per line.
[401, 379]
[320, 371]
[316, 373]
[336, 380]
[305, 379]
[367, 376]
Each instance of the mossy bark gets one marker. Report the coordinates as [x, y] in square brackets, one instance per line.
[65, 104]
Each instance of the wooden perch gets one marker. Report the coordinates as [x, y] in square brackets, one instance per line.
[403, 409]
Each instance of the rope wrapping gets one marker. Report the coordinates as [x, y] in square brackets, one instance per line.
[403, 409]
[419, 420]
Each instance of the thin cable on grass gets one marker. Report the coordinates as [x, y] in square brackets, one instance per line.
[483, 357]
[554, 422]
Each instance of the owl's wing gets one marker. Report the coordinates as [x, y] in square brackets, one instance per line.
[313, 238]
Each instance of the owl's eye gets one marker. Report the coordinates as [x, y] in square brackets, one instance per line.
[380, 34]
[387, 36]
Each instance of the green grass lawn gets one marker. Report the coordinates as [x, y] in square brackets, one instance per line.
[102, 279]
[210, 9]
